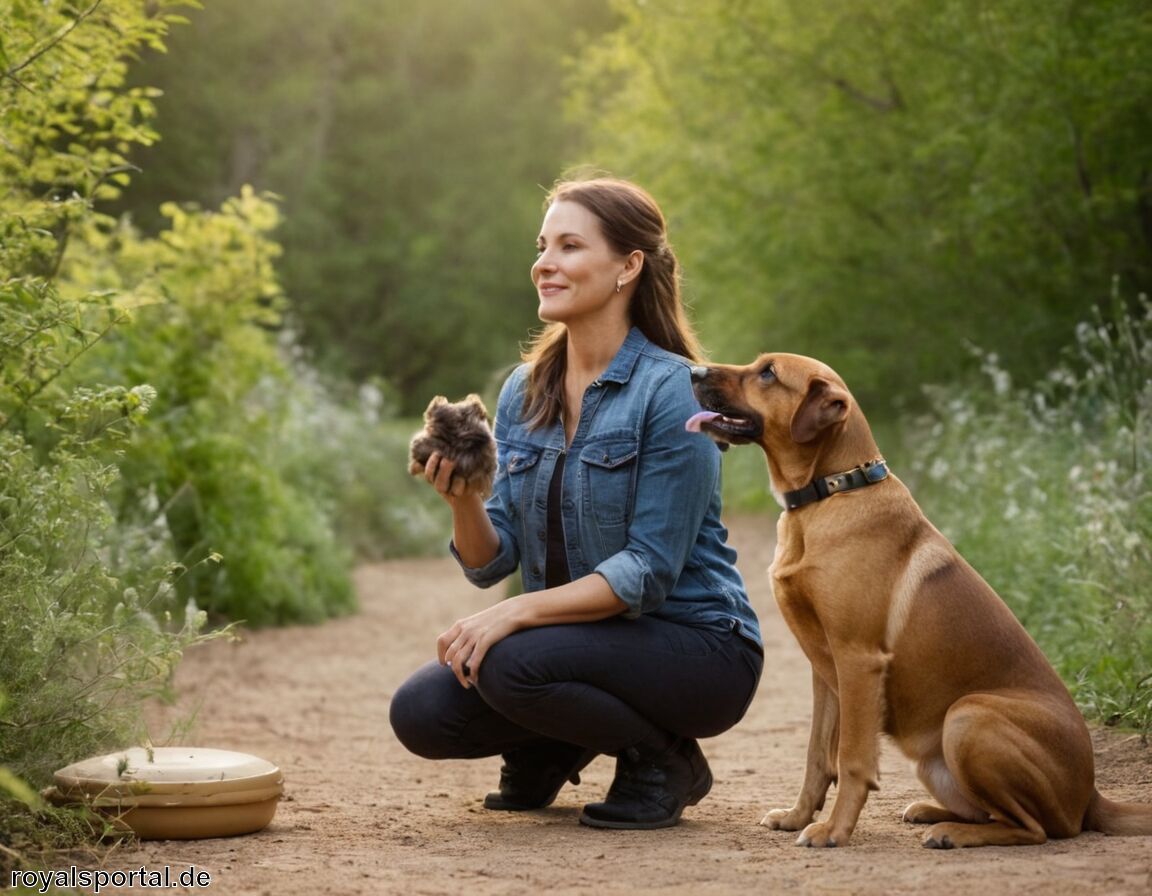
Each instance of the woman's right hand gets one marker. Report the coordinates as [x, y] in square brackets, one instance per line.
[438, 472]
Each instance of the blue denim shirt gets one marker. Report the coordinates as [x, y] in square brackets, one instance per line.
[641, 497]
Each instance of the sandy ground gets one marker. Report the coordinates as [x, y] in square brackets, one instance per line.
[362, 816]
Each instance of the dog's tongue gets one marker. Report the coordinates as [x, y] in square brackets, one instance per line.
[696, 420]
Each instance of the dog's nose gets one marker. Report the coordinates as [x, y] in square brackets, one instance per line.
[699, 373]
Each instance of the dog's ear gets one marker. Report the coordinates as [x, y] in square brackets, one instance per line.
[823, 406]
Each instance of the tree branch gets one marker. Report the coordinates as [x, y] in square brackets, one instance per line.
[63, 33]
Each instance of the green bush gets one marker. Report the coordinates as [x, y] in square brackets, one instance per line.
[206, 308]
[79, 647]
[101, 564]
[1047, 491]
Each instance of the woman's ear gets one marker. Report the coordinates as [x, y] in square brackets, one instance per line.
[633, 265]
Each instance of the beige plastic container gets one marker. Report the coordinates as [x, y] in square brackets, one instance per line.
[175, 793]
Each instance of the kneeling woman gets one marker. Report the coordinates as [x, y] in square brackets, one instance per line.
[634, 635]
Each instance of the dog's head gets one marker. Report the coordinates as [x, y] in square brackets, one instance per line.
[795, 408]
[777, 397]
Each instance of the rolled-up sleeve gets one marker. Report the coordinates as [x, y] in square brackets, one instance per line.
[507, 557]
[677, 477]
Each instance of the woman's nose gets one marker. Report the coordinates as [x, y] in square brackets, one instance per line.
[540, 265]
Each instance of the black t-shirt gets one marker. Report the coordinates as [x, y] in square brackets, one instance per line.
[556, 561]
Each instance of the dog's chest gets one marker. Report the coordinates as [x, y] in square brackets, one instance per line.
[789, 574]
[824, 583]
[792, 562]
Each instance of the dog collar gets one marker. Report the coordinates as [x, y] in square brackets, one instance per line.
[825, 486]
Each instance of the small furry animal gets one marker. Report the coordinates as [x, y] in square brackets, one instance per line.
[459, 431]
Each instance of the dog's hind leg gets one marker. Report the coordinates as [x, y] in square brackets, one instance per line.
[927, 813]
[819, 773]
[949, 835]
[951, 805]
[1017, 759]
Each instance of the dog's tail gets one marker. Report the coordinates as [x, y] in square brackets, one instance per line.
[1121, 819]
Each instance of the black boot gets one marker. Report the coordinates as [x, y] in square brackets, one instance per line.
[531, 776]
[651, 789]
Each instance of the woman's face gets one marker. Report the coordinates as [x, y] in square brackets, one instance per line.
[576, 269]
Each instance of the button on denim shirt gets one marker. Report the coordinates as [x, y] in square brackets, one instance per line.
[641, 496]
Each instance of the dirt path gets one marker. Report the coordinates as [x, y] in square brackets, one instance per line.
[362, 816]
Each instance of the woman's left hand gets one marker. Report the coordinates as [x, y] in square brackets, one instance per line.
[464, 645]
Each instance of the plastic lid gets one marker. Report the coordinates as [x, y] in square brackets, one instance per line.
[195, 771]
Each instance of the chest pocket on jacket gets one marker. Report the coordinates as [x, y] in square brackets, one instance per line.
[521, 474]
[609, 470]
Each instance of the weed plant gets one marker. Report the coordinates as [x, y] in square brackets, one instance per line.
[1046, 491]
[35, 835]
[351, 452]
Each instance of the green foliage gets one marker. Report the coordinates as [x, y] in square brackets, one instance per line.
[36, 837]
[204, 297]
[410, 141]
[79, 646]
[67, 119]
[874, 184]
[115, 498]
[78, 649]
[352, 453]
[1063, 467]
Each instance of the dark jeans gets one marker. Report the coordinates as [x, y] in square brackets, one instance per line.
[605, 686]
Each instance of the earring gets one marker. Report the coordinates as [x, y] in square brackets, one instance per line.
[619, 284]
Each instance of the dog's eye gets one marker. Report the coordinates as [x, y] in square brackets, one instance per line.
[768, 373]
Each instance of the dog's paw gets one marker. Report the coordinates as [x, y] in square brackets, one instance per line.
[819, 835]
[927, 813]
[936, 840]
[785, 820]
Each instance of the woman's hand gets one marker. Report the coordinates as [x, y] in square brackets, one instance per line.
[438, 471]
[464, 645]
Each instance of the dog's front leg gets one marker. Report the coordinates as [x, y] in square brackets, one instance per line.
[861, 694]
[819, 773]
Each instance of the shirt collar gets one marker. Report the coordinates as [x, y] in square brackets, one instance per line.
[620, 370]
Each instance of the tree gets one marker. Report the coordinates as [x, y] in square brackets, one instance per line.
[411, 144]
[876, 185]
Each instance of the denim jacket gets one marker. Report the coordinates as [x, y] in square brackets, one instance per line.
[641, 497]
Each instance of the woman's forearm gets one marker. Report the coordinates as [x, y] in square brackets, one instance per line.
[473, 534]
[587, 599]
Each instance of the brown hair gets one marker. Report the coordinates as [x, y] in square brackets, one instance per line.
[630, 219]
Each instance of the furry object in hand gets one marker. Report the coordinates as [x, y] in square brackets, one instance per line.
[460, 432]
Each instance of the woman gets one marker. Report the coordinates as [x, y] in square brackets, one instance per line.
[634, 635]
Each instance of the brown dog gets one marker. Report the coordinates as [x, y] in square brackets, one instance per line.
[904, 637]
